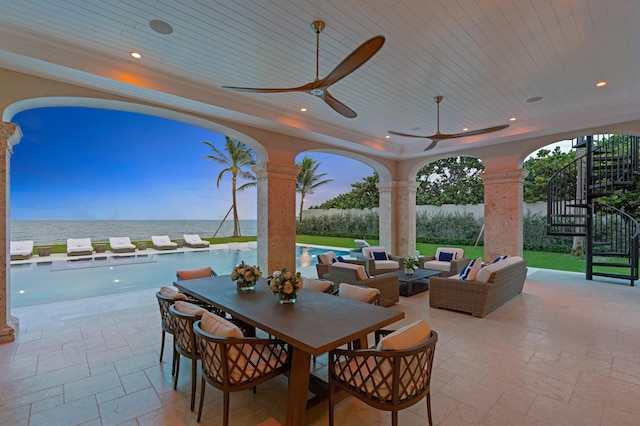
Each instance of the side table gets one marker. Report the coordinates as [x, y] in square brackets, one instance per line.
[142, 245]
[44, 251]
[100, 248]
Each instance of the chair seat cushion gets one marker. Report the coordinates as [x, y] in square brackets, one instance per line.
[437, 265]
[191, 274]
[172, 293]
[386, 264]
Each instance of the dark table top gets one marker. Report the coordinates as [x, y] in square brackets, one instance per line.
[316, 323]
[418, 274]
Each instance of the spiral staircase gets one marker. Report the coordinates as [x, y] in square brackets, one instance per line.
[604, 164]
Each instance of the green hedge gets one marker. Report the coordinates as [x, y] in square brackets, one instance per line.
[436, 228]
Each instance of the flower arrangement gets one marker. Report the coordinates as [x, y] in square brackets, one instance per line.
[411, 263]
[245, 276]
[286, 284]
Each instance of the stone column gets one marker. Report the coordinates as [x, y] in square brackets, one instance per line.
[10, 135]
[385, 215]
[276, 184]
[503, 212]
[397, 215]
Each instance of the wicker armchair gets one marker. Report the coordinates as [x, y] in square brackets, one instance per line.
[446, 268]
[233, 364]
[377, 267]
[389, 380]
[349, 273]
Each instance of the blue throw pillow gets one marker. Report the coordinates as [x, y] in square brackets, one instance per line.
[445, 257]
[379, 255]
[340, 259]
[499, 258]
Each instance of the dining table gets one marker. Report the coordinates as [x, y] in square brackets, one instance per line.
[317, 323]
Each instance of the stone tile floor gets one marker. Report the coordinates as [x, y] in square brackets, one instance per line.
[565, 352]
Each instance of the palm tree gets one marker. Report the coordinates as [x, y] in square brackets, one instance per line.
[237, 157]
[308, 180]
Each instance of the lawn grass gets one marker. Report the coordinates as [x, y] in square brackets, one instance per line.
[535, 259]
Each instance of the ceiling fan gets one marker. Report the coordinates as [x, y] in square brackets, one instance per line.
[437, 137]
[319, 87]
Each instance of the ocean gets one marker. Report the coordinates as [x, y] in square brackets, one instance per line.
[57, 231]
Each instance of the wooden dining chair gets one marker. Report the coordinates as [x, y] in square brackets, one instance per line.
[184, 314]
[232, 362]
[166, 297]
[390, 377]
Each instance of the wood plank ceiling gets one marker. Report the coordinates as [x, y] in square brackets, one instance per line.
[486, 57]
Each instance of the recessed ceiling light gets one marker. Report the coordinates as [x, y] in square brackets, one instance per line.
[136, 55]
[303, 109]
[387, 137]
[535, 99]
[466, 129]
[160, 27]
[601, 83]
[512, 119]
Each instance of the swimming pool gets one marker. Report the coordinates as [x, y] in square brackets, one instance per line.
[69, 279]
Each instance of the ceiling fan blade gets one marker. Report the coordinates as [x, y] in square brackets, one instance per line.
[406, 134]
[305, 88]
[338, 106]
[477, 132]
[352, 62]
[431, 145]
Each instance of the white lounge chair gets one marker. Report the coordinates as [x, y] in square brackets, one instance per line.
[21, 250]
[79, 246]
[163, 242]
[194, 241]
[121, 245]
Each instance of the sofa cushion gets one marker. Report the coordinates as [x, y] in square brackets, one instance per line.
[386, 264]
[443, 256]
[484, 275]
[317, 284]
[471, 270]
[326, 257]
[406, 337]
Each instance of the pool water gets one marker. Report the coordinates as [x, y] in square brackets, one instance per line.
[68, 279]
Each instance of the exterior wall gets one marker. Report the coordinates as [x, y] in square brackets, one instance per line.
[476, 209]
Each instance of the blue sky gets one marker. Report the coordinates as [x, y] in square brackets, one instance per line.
[92, 164]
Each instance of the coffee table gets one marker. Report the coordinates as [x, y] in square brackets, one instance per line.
[416, 282]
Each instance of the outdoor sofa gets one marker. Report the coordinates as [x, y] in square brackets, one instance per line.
[494, 285]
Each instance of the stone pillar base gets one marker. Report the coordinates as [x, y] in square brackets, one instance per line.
[7, 334]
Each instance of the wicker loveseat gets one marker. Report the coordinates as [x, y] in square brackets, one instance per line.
[350, 273]
[504, 281]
